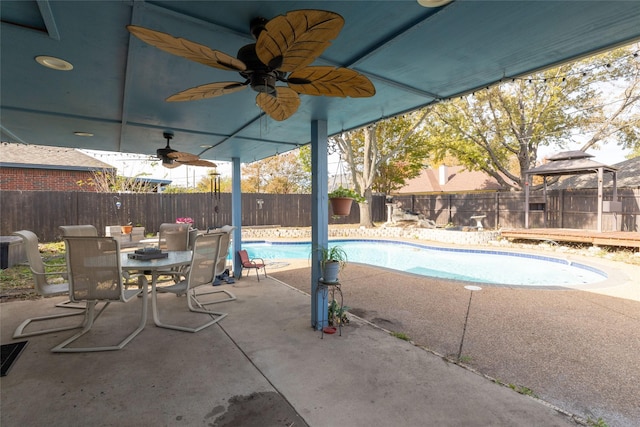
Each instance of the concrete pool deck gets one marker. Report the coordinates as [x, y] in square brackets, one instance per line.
[263, 365]
[577, 349]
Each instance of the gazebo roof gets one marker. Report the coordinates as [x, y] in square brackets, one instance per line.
[570, 163]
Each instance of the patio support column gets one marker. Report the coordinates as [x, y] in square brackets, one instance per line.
[526, 201]
[319, 214]
[236, 215]
[600, 185]
[544, 196]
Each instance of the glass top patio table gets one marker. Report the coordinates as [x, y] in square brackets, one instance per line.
[156, 266]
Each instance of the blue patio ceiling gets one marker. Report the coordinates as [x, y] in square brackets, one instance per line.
[413, 55]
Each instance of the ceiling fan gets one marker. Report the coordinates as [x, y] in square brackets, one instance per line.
[285, 46]
[173, 158]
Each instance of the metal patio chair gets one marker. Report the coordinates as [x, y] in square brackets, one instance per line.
[201, 272]
[95, 276]
[257, 263]
[44, 287]
[78, 230]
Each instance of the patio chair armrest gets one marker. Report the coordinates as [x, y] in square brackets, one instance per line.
[253, 261]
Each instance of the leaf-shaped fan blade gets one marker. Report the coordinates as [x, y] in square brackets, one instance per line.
[187, 49]
[182, 157]
[201, 162]
[296, 39]
[279, 107]
[207, 91]
[172, 165]
[329, 81]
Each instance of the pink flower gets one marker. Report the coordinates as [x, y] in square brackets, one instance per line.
[184, 220]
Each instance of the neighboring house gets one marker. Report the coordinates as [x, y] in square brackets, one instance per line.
[36, 167]
[450, 179]
[628, 176]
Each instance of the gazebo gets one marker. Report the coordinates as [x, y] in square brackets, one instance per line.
[574, 163]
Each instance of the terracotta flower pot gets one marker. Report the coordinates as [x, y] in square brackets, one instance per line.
[341, 206]
[126, 229]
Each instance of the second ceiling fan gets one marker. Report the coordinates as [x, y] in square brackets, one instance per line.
[285, 46]
[173, 158]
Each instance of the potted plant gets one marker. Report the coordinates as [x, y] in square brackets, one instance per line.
[341, 199]
[337, 314]
[332, 260]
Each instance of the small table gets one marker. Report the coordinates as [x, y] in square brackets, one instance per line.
[323, 290]
[156, 266]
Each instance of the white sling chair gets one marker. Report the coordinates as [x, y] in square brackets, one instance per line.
[44, 287]
[95, 276]
[201, 272]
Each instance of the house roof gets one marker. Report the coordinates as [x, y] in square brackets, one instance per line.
[13, 155]
[628, 176]
[458, 180]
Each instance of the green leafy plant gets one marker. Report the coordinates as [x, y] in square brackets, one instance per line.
[348, 193]
[401, 335]
[597, 423]
[337, 315]
[333, 253]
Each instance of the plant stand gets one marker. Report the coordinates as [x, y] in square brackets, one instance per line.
[323, 291]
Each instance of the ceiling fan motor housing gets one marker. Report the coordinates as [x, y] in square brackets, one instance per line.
[261, 77]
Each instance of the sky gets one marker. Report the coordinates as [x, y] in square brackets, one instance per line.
[131, 165]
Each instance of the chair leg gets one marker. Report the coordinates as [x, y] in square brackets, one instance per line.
[70, 304]
[19, 332]
[88, 323]
[216, 316]
[230, 296]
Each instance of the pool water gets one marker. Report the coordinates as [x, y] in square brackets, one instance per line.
[482, 266]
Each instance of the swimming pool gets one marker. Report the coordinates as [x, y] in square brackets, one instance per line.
[474, 265]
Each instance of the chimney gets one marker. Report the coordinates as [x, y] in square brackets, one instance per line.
[443, 175]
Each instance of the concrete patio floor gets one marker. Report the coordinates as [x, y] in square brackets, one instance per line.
[263, 365]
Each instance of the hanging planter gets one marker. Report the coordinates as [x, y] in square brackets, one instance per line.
[341, 206]
[341, 200]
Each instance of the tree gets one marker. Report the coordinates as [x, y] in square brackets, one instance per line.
[279, 174]
[383, 156]
[105, 181]
[207, 184]
[490, 128]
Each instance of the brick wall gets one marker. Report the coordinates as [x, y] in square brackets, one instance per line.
[43, 179]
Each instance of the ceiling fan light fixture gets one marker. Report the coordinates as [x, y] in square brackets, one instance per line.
[264, 82]
[54, 63]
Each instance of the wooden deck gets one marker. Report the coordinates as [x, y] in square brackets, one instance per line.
[606, 238]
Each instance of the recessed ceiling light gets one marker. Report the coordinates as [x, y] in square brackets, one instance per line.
[206, 146]
[433, 3]
[83, 134]
[54, 63]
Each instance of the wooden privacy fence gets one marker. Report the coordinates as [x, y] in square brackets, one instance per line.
[43, 211]
[563, 209]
